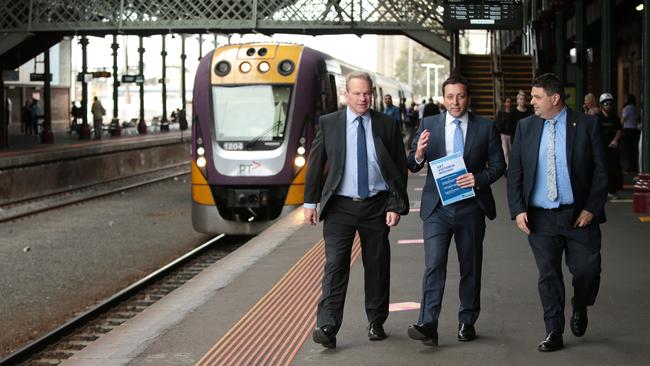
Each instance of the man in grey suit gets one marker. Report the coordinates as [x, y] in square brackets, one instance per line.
[357, 171]
[557, 189]
[457, 130]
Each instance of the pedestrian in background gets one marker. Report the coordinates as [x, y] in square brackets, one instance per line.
[36, 113]
[631, 118]
[589, 105]
[557, 196]
[522, 111]
[98, 113]
[504, 125]
[612, 132]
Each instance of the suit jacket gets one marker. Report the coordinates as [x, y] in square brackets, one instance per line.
[585, 160]
[482, 153]
[327, 158]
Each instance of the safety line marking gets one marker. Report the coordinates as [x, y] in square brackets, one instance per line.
[422, 174]
[621, 200]
[410, 241]
[274, 329]
[403, 306]
[414, 210]
[644, 218]
[417, 189]
[628, 186]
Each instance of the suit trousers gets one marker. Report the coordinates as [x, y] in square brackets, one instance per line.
[552, 233]
[343, 219]
[465, 221]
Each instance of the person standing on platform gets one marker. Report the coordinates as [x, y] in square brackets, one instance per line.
[504, 126]
[631, 117]
[477, 138]
[590, 106]
[410, 124]
[357, 171]
[522, 111]
[392, 110]
[74, 112]
[36, 113]
[557, 189]
[26, 118]
[612, 132]
[98, 113]
[431, 109]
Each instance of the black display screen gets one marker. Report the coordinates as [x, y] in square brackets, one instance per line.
[483, 14]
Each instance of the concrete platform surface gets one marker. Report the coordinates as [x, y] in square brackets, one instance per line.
[222, 309]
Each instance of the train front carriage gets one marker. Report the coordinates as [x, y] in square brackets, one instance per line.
[253, 118]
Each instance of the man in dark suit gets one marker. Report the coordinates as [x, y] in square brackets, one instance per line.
[456, 130]
[557, 188]
[357, 171]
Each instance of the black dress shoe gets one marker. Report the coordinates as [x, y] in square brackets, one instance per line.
[552, 342]
[376, 331]
[466, 332]
[325, 336]
[427, 333]
[579, 321]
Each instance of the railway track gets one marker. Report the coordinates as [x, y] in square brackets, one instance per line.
[19, 209]
[89, 326]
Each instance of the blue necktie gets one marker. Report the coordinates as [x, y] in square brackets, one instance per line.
[458, 137]
[362, 161]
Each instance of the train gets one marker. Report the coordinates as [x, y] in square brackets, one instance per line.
[255, 108]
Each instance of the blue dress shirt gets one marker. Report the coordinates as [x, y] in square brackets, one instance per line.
[564, 192]
[348, 185]
[393, 111]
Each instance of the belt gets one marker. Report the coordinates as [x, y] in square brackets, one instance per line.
[559, 208]
[367, 199]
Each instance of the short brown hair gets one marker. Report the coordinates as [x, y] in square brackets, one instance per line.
[551, 84]
[358, 75]
[456, 79]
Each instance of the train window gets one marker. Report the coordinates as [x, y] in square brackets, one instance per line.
[262, 51]
[253, 114]
[250, 52]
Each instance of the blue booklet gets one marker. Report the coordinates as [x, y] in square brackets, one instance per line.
[445, 171]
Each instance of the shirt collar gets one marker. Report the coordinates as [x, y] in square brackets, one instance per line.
[449, 119]
[560, 117]
[351, 116]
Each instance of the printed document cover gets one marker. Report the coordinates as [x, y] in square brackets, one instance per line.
[445, 171]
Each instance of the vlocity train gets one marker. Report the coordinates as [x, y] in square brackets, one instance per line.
[254, 117]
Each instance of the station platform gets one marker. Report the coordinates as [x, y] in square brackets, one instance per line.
[28, 150]
[257, 306]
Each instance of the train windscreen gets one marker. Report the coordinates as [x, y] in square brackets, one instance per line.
[250, 116]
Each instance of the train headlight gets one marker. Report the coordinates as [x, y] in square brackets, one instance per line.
[263, 66]
[299, 161]
[245, 67]
[301, 150]
[286, 67]
[200, 151]
[201, 162]
[222, 68]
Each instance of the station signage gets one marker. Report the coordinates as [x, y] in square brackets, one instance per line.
[101, 74]
[39, 77]
[138, 79]
[483, 14]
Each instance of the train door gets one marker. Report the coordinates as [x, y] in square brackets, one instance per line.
[381, 99]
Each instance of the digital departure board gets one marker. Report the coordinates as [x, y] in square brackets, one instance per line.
[483, 14]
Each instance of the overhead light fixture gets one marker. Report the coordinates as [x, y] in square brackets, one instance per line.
[639, 7]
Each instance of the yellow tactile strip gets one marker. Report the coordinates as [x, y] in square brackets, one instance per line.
[644, 218]
[274, 329]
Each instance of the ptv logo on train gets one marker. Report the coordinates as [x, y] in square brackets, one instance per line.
[248, 168]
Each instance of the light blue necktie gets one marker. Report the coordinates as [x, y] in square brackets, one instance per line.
[551, 179]
[362, 161]
[458, 138]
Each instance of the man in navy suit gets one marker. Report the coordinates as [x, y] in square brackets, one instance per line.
[357, 172]
[557, 188]
[457, 130]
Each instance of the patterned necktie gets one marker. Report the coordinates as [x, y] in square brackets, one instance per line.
[362, 161]
[458, 137]
[551, 179]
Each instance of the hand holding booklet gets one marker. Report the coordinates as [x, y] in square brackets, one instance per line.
[445, 171]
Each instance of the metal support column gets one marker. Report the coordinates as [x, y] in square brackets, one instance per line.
[182, 119]
[115, 128]
[4, 127]
[581, 66]
[142, 125]
[164, 123]
[47, 136]
[455, 53]
[560, 43]
[200, 46]
[641, 200]
[607, 71]
[84, 131]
